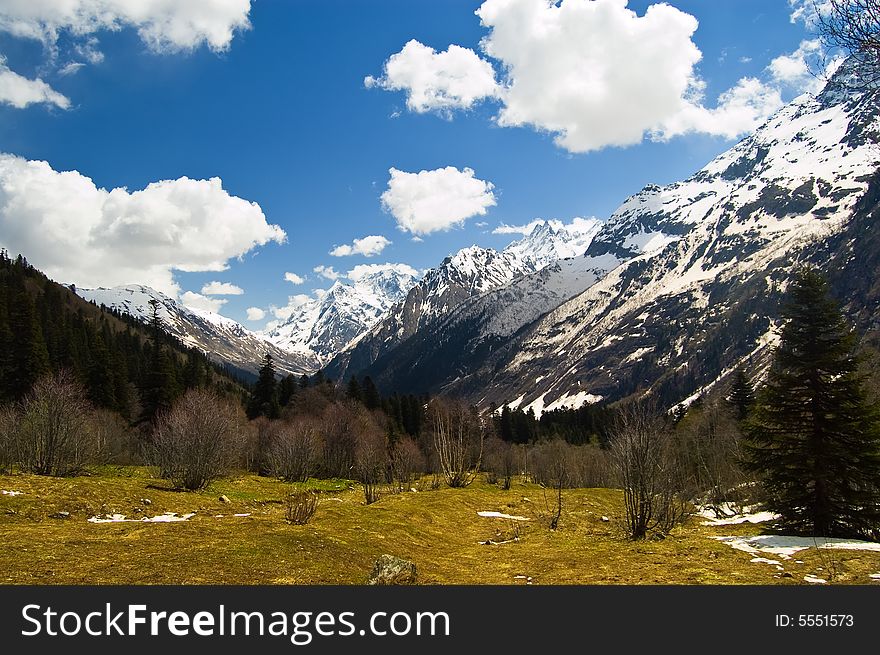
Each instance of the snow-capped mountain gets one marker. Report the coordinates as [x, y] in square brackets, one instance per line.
[468, 273]
[221, 338]
[682, 283]
[321, 327]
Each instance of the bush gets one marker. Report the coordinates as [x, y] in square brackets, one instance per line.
[651, 471]
[407, 461]
[295, 450]
[196, 441]
[301, 507]
[371, 460]
[458, 440]
[56, 435]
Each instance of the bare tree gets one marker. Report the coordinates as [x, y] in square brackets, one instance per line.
[295, 450]
[9, 419]
[458, 440]
[371, 460]
[500, 461]
[407, 461]
[198, 439]
[710, 444]
[341, 423]
[55, 433]
[654, 481]
[854, 27]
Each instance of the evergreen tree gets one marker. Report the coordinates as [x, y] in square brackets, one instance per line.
[742, 395]
[371, 397]
[159, 388]
[813, 435]
[264, 399]
[286, 389]
[354, 389]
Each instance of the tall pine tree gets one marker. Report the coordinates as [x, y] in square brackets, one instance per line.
[264, 399]
[812, 434]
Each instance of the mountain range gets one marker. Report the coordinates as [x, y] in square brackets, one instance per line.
[679, 287]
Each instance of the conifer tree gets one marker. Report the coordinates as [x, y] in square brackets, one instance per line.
[371, 397]
[742, 395]
[287, 389]
[264, 399]
[160, 386]
[813, 435]
[354, 389]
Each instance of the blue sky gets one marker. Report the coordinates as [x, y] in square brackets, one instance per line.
[281, 114]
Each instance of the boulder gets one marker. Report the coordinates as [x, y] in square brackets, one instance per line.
[60, 515]
[224, 499]
[391, 570]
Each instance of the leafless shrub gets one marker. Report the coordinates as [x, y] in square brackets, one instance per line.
[407, 461]
[371, 459]
[709, 443]
[9, 420]
[56, 436]
[301, 507]
[259, 436]
[341, 423]
[197, 440]
[114, 438]
[458, 440]
[649, 468]
[295, 450]
[500, 462]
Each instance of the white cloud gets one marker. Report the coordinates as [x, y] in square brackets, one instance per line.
[293, 303]
[70, 68]
[525, 230]
[369, 246]
[327, 272]
[198, 301]
[216, 288]
[361, 271]
[429, 201]
[809, 11]
[456, 78]
[594, 74]
[77, 232]
[293, 278]
[20, 92]
[796, 70]
[255, 314]
[740, 110]
[164, 25]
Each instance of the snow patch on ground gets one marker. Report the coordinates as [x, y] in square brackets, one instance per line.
[812, 579]
[10, 493]
[499, 515]
[170, 517]
[730, 516]
[786, 546]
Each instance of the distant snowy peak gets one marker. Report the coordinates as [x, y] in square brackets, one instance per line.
[322, 326]
[551, 241]
[222, 339]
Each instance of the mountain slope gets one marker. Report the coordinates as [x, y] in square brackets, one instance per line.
[321, 327]
[687, 276]
[221, 338]
[469, 273]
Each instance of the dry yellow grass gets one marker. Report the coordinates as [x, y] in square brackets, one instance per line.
[437, 529]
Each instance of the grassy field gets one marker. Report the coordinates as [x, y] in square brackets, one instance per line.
[437, 529]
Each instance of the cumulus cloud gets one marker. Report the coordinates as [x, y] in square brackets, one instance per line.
[77, 232]
[20, 92]
[198, 301]
[740, 110]
[293, 278]
[456, 78]
[255, 314]
[327, 272]
[806, 70]
[809, 11]
[369, 246]
[221, 289]
[595, 74]
[430, 201]
[164, 26]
